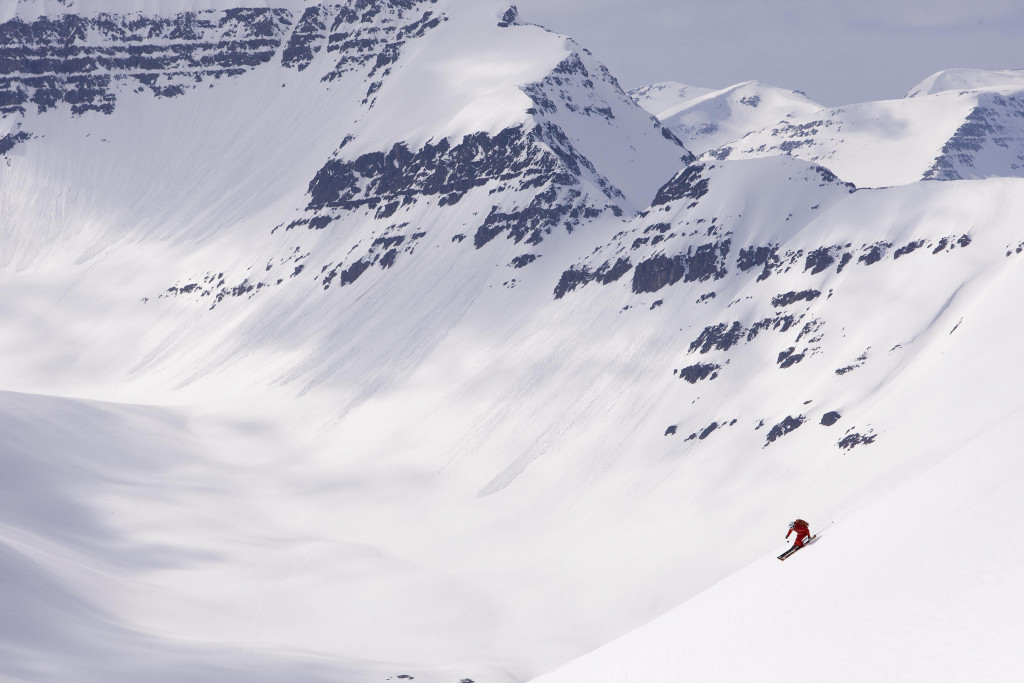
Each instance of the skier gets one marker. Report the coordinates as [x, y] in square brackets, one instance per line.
[802, 532]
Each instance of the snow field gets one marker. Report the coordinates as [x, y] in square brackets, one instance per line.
[920, 584]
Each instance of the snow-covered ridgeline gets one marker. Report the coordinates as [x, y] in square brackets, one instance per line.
[705, 120]
[660, 97]
[948, 135]
[554, 135]
[969, 79]
[958, 123]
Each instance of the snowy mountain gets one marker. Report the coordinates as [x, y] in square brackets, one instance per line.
[367, 340]
[659, 97]
[492, 151]
[938, 134]
[715, 118]
[968, 79]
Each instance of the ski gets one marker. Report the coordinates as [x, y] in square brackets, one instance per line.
[789, 552]
[792, 550]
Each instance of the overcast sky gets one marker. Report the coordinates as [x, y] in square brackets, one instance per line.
[836, 51]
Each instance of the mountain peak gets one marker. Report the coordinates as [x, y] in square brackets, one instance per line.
[705, 119]
[659, 97]
[969, 79]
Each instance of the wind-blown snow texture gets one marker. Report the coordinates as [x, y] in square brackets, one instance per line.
[374, 339]
[882, 595]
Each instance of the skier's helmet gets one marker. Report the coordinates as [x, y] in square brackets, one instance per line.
[792, 525]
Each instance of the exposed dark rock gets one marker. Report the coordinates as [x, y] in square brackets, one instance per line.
[847, 257]
[851, 441]
[820, 259]
[549, 93]
[510, 17]
[767, 257]
[523, 260]
[874, 253]
[707, 296]
[658, 227]
[830, 418]
[707, 431]
[387, 242]
[571, 279]
[830, 178]
[789, 298]
[671, 429]
[539, 161]
[348, 275]
[689, 183]
[861, 359]
[721, 153]
[751, 257]
[576, 277]
[780, 323]
[307, 39]
[789, 358]
[7, 142]
[985, 127]
[372, 34]
[698, 371]
[810, 328]
[705, 262]
[722, 337]
[907, 248]
[85, 61]
[79, 61]
[785, 427]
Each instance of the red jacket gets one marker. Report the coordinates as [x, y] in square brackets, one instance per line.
[802, 532]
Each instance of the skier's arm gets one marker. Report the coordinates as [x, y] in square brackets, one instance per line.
[788, 533]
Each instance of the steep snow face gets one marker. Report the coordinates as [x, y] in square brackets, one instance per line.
[879, 596]
[722, 116]
[659, 97]
[769, 306]
[700, 217]
[969, 79]
[381, 129]
[948, 135]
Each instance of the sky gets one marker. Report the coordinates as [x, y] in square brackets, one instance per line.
[836, 51]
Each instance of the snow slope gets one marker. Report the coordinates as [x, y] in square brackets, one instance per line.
[659, 97]
[940, 133]
[717, 118]
[968, 79]
[920, 584]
